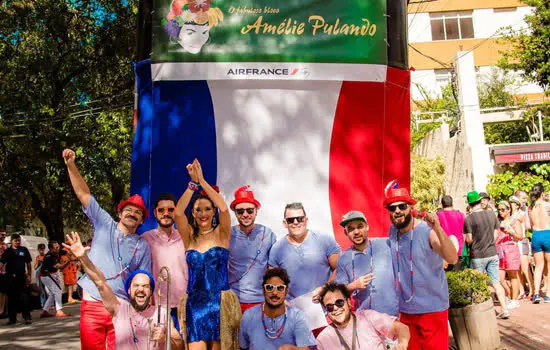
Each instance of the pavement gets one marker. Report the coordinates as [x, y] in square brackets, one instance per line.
[527, 329]
[46, 333]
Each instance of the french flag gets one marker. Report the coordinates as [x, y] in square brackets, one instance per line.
[332, 145]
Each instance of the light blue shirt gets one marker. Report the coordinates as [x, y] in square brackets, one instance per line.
[296, 330]
[353, 264]
[431, 292]
[114, 255]
[306, 263]
[248, 257]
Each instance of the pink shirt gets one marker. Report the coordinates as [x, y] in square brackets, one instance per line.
[129, 323]
[372, 328]
[170, 252]
[452, 222]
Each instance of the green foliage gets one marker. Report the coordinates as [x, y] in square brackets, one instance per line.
[506, 132]
[427, 177]
[495, 91]
[66, 81]
[502, 186]
[531, 48]
[446, 102]
[467, 287]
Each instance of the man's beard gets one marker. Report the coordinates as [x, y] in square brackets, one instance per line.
[138, 307]
[244, 225]
[273, 306]
[165, 226]
[405, 223]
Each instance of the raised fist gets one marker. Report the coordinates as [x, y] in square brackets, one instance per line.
[69, 156]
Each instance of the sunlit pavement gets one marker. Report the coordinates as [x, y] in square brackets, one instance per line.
[46, 333]
[527, 329]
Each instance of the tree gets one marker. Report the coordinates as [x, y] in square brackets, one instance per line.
[427, 177]
[495, 91]
[61, 63]
[502, 186]
[531, 49]
[446, 102]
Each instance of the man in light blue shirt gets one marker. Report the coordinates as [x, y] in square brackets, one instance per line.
[366, 267]
[249, 248]
[116, 251]
[309, 257]
[274, 325]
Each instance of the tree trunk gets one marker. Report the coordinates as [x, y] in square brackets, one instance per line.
[50, 212]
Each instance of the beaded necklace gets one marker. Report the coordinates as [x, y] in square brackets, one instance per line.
[398, 285]
[123, 267]
[355, 294]
[276, 333]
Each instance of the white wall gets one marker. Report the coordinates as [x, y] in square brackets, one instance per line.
[487, 23]
[419, 28]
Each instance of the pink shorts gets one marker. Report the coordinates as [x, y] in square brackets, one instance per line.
[511, 259]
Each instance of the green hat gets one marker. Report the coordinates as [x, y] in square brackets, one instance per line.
[473, 197]
[352, 216]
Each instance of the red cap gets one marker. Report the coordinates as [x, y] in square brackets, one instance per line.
[136, 201]
[244, 195]
[398, 195]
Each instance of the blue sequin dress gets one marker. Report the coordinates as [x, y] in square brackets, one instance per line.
[207, 279]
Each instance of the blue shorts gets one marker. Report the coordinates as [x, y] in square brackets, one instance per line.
[541, 241]
[490, 265]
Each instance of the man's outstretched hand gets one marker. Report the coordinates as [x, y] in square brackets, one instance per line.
[75, 245]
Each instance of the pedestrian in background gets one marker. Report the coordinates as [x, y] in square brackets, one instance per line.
[17, 261]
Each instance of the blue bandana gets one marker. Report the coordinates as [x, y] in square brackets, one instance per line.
[133, 274]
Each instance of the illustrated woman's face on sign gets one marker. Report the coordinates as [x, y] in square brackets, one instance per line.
[192, 37]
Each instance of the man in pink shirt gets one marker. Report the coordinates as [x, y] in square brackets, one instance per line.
[167, 250]
[133, 319]
[452, 222]
[365, 329]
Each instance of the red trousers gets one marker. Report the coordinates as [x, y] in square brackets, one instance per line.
[428, 331]
[96, 326]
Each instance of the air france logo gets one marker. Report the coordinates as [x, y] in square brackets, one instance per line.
[270, 72]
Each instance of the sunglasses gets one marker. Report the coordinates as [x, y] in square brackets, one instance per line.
[295, 219]
[242, 210]
[339, 303]
[271, 287]
[394, 207]
[169, 210]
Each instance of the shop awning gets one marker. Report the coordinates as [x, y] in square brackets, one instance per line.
[520, 152]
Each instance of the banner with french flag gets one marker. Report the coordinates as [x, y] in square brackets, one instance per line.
[318, 118]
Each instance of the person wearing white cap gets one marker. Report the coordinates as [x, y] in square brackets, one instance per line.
[366, 267]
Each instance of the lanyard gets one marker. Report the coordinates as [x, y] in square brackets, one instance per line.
[398, 285]
[258, 251]
[371, 270]
[123, 267]
[354, 339]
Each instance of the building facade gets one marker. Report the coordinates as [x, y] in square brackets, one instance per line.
[438, 29]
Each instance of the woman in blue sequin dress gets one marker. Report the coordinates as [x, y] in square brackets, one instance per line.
[207, 247]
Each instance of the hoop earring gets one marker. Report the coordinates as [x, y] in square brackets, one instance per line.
[214, 222]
